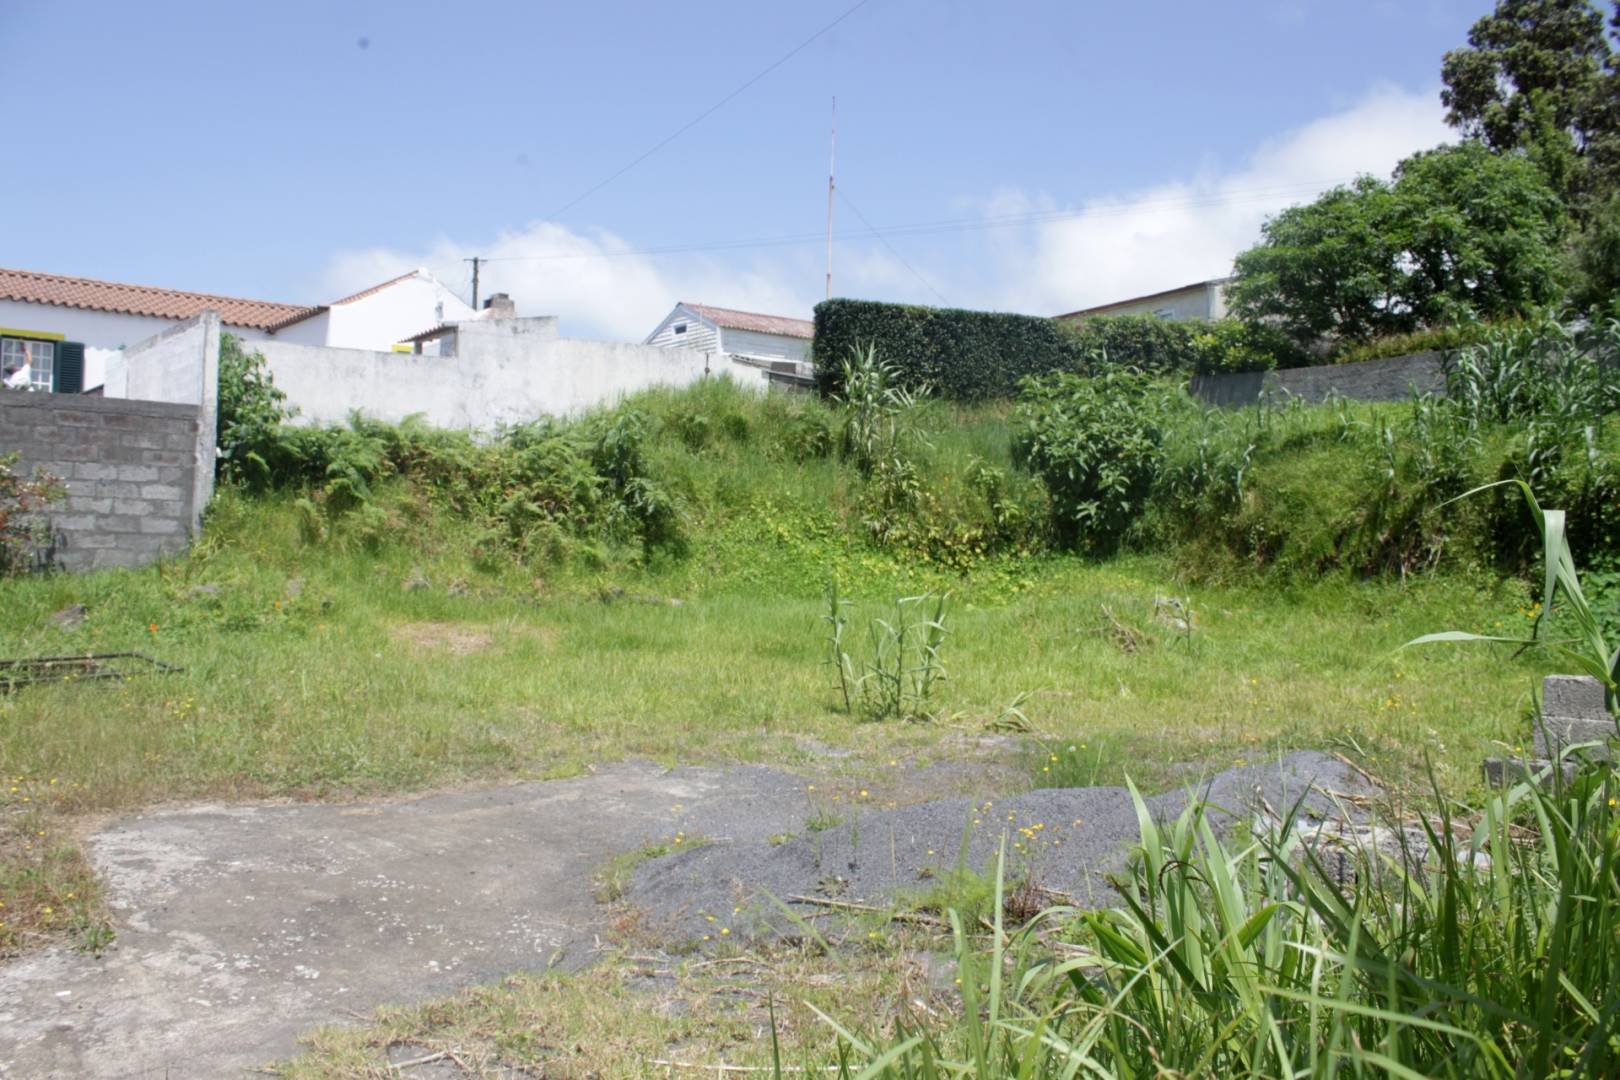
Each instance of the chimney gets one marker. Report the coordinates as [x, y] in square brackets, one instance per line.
[499, 306]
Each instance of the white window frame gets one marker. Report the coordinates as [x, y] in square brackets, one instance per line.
[40, 356]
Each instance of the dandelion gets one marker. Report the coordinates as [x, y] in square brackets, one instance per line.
[724, 930]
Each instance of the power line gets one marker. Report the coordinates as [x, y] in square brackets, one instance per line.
[706, 113]
[884, 240]
[926, 228]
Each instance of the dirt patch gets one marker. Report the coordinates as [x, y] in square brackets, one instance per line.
[457, 639]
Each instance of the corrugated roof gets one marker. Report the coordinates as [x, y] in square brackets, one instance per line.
[89, 294]
[749, 320]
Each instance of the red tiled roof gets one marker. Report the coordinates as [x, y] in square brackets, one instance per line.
[748, 320]
[30, 286]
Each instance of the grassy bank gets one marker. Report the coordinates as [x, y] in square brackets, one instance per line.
[312, 670]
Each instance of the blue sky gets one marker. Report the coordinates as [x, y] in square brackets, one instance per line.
[295, 151]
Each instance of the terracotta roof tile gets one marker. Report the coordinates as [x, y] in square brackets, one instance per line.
[32, 287]
[748, 320]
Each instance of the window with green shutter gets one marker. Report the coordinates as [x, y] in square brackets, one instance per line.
[68, 375]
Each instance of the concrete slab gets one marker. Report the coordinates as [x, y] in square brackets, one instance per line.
[241, 927]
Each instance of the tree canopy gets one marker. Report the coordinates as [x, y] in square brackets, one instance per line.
[1540, 76]
[1459, 232]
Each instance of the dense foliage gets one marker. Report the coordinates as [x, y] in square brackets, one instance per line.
[251, 410]
[1539, 76]
[1095, 443]
[963, 355]
[1460, 233]
[983, 355]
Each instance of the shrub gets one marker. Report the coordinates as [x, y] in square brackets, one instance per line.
[1432, 339]
[24, 531]
[1095, 443]
[251, 411]
[1231, 345]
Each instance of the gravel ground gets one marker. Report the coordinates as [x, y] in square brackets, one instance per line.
[1064, 839]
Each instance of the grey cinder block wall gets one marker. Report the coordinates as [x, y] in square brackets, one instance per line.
[1395, 378]
[130, 469]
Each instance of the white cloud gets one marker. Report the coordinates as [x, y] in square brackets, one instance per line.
[586, 277]
[1103, 249]
[1189, 230]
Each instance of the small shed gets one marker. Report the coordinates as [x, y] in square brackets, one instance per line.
[747, 336]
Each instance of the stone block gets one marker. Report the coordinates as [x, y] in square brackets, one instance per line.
[1500, 772]
[75, 522]
[1558, 732]
[1577, 696]
[161, 525]
[85, 504]
[95, 470]
[133, 507]
[120, 523]
[139, 474]
[145, 440]
[161, 491]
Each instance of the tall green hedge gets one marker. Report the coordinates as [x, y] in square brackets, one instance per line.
[974, 355]
[966, 355]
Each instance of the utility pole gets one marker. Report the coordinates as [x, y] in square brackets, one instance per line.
[832, 162]
[474, 261]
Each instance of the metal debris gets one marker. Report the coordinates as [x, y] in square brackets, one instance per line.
[28, 671]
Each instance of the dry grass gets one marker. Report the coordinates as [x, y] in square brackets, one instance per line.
[637, 1015]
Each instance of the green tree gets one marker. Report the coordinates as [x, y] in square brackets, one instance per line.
[1460, 232]
[1539, 76]
[1482, 234]
[251, 411]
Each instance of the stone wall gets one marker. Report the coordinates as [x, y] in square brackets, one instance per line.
[130, 472]
[1390, 379]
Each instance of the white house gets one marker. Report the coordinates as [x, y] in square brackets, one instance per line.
[58, 333]
[759, 340]
[1204, 300]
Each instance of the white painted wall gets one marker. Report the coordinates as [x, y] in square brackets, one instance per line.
[380, 320]
[1206, 301]
[501, 371]
[764, 346]
[103, 332]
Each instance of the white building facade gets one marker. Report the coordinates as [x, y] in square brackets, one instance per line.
[60, 333]
[1202, 300]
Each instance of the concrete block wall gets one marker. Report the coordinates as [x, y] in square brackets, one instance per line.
[130, 472]
[1391, 379]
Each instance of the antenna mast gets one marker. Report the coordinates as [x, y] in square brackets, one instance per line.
[832, 161]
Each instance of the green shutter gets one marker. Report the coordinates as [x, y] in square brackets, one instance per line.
[68, 376]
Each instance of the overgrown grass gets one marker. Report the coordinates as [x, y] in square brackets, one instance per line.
[382, 623]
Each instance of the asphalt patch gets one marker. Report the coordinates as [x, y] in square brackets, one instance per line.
[1066, 840]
